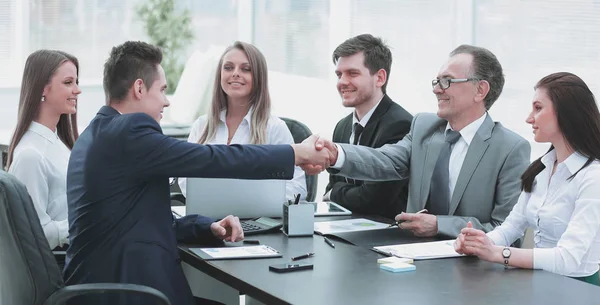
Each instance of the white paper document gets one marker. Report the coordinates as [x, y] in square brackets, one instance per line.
[236, 252]
[348, 225]
[428, 250]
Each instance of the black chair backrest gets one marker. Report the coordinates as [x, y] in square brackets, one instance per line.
[29, 273]
[300, 132]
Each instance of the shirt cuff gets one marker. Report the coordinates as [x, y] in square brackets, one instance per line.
[340, 159]
[497, 238]
[63, 232]
[543, 258]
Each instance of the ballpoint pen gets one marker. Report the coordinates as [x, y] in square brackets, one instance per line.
[297, 199]
[307, 255]
[327, 241]
[251, 241]
[397, 223]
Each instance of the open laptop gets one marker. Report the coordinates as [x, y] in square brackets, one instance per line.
[218, 198]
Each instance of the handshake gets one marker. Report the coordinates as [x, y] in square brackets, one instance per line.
[315, 154]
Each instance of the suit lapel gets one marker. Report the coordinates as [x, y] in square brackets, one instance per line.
[347, 130]
[475, 152]
[433, 152]
[369, 131]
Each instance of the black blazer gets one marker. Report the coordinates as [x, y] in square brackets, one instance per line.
[121, 226]
[388, 124]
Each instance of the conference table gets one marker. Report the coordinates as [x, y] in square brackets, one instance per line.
[349, 274]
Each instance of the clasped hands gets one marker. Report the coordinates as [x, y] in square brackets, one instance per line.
[315, 154]
[472, 241]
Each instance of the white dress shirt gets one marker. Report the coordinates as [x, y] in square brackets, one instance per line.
[564, 214]
[363, 122]
[457, 156]
[460, 149]
[277, 133]
[40, 162]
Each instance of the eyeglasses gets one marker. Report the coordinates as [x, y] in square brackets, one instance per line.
[445, 82]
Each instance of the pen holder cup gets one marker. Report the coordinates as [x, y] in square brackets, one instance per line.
[298, 219]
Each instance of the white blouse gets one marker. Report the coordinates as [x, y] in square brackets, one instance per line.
[40, 162]
[565, 217]
[277, 133]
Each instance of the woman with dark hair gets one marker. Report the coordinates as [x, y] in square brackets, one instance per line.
[560, 200]
[46, 130]
[240, 110]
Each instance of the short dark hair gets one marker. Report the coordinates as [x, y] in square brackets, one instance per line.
[377, 53]
[577, 116]
[485, 67]
[128, 62]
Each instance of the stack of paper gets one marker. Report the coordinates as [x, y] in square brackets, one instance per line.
[348, 225]
[428, 250]
[397, 267]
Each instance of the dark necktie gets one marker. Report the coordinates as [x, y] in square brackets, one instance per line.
[439, 191]
[358, 129]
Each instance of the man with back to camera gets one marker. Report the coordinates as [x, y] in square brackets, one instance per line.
[461, 165]
[121, 226]
[363, 65]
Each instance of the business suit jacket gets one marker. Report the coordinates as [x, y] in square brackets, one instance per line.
[488, 185]
[121, 228]
[388, 124]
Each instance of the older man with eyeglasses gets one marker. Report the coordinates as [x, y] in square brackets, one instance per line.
[462, 166]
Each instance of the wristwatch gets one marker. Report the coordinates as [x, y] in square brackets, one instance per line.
[506, 255]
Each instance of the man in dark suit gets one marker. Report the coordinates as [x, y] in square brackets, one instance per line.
[121, 228]
[363, 65]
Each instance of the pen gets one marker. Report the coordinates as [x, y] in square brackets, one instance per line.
[307, 255]
[397, 223]
[252, 241]
[297, 199]
[327, 241]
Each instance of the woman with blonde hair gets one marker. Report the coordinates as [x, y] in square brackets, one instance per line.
[240, 111]
[46, 131]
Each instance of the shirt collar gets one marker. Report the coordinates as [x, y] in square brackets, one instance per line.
[247, 117]
[469, 131]
[363, 122]
[574, 162]
[43, 131]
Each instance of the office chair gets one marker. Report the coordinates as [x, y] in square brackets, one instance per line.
[300, 132]
[29, 274]
[4, 156]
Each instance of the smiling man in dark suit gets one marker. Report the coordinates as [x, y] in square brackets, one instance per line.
[363, 65]
[121, 228]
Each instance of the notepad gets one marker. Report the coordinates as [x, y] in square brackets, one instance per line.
[397, 267]
[394, 259]
[262, 251]
[417, 251]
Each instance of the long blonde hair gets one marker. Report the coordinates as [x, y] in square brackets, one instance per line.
[259, 97]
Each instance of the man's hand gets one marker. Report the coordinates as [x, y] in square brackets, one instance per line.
[228, 229]
[422, 225]
[311, 160]
[332, 149]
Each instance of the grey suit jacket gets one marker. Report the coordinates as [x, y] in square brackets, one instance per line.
[488, 185]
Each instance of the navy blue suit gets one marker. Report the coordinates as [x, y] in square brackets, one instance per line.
[121, 226]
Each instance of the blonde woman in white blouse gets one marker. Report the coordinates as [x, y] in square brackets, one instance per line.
[561, 190]
[46, 130]
[240, 111]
